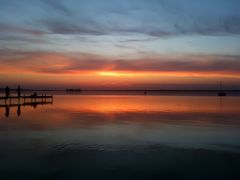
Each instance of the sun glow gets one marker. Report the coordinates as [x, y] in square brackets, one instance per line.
[111, 73]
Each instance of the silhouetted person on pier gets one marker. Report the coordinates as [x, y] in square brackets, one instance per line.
[7, 91]
[34, 95]
[19, 91]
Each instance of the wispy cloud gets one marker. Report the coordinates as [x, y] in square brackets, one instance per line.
[159, 19]
[59, 6]
[156, 18]
[4, 27]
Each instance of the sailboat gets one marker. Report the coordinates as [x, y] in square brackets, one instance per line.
[221, 93]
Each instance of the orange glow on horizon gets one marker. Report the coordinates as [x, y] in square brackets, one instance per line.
[109, 78]
[64, 70]
[162, 74]
[111, 73]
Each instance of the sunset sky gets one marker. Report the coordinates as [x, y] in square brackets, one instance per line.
[120, 44]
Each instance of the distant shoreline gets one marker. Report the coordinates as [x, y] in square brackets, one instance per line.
[132, 90]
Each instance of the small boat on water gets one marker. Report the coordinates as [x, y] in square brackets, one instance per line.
[145, 92]
[221, 93]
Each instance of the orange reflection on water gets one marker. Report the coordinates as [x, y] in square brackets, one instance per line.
[93, 110]
[118, 104]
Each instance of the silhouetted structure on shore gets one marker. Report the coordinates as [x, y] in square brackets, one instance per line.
[74, 90]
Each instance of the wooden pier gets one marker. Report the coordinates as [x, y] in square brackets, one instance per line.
[25, 100]
[19, 99]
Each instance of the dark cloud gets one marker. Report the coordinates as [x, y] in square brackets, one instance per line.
[226, 26]
[57, 26]
[212, 66]
[188, 64]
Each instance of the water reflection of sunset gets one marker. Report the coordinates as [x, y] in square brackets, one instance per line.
[94, 110]
[118, 104]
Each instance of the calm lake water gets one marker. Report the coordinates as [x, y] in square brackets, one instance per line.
[122, 137]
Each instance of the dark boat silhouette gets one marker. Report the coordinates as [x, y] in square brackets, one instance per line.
[221, 93]
[145, 92]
